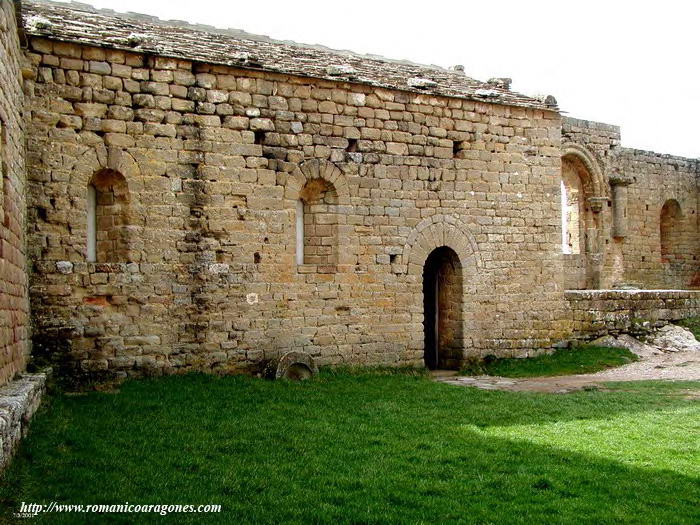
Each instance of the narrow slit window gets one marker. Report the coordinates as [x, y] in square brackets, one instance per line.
[107, 218]
[564, 230]
[317, 224]
[573, 211]
[5, 176]
[92, 224]
[300, 231]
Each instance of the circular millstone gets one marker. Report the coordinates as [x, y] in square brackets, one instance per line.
[295, 366]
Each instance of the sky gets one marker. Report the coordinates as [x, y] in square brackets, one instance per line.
[633, 64]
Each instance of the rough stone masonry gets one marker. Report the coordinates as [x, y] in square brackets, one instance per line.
[199, 199]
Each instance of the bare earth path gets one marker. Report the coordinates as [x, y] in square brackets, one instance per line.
[668, 366]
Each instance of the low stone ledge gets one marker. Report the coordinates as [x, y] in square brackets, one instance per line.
[19, 399]
[600, 312]
[588, 295]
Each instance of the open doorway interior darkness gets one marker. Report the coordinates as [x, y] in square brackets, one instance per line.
[442, 307]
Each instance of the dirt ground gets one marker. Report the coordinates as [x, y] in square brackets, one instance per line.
[667, 366]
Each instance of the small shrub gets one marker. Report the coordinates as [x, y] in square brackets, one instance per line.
[473, 366]
[692, 324]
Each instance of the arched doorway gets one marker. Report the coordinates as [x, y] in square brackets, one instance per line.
[442, 308]
[580, 223]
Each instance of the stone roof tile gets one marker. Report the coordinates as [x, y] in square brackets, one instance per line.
[81, 23]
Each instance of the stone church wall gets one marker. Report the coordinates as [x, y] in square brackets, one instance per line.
[215, 159]
[657, 179]
[14, 302]
[650, 180]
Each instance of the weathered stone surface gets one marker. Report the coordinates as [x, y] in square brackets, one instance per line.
[64, 267]
[19, 399]
[14, 301]
[649, 255]
[600, 312]
[129, 33]
[200, 162]
[295, 366]
[627, 342]
[673, 338]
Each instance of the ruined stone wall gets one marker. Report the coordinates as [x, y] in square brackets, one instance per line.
[650, 180]
[656, 179]
[216, 160]
[599, 312]
[600, 138]
[598, 263]
[14, 305]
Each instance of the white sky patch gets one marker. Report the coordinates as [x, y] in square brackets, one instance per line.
[633, 64]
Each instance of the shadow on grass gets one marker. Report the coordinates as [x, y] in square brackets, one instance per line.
[343, 448]
[584, 359]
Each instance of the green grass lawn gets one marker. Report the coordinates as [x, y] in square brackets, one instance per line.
[366, 448]
[579, 360]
